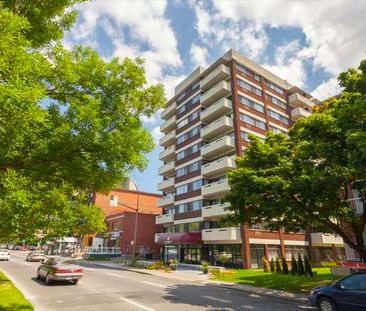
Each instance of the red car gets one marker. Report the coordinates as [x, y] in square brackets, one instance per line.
[57, 269]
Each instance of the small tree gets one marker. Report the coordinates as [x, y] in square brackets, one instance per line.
[265, 264]
[300, 265]
[272, 266]
[294, 269]
[308, 268]
[278, 265]
[284, 265]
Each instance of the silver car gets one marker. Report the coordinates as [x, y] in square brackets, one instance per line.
[35, 256]
[4, 254]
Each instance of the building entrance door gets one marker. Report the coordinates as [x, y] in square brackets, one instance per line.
[256, 254]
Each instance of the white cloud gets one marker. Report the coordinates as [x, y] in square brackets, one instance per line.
[327, 89]
[199, 55]
[156, 134]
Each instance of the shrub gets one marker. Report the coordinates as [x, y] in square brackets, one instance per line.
[300, 265]
[223, 258]
[294, 269]
[308, 269]
[204, 267]
[284, 265]
[272, 266]
[215, 273]
[278, 265]
[173, 263]
[265, 264]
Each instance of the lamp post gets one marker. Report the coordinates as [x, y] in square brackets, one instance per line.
[136, 221]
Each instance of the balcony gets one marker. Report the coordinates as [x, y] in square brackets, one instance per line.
[222, 72]
[298, 113]
[166, 201]
[168, 139]
[297, 100]
[217, 110]
[218, 167]
[325, 239]
[214, 212]
[169, 111]
[167, 154]
[164, 219]
[228, 235]
[220, 90]
[217, 128]
[215, 189]
[166, 185]
[168, 125]
[167, 169]
[219, 146]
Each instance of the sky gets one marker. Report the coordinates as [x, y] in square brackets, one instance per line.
[307, 43]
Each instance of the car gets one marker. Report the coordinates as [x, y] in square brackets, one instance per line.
[4, 254]
[59, 269]
[347, 294]
[18, 248]
[35, 256]
[32, 248]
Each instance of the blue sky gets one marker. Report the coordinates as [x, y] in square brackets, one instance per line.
[305, 42]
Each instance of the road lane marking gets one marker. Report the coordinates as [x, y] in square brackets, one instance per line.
[137, 304]
[217, 299]
[248, 307]
[255, 295]
[154, 284]
[118, 275]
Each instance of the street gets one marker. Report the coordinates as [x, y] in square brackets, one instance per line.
[107, 289]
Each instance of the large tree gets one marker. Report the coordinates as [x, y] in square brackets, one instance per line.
[69, 122]
[313, 176]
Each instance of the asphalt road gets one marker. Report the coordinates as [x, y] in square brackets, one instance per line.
[108, 290]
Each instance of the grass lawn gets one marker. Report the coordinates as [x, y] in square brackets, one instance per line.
[290, 283]
[11, 299]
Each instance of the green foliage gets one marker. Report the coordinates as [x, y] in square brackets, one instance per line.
[265, 264]
[204, 267]
[223, 258]
[173, 264]
[308, 268]
[69, 123]
[278, 268]
[272, 266]
[294, 269]
[300, 265]
[284, 266]
[303, 180]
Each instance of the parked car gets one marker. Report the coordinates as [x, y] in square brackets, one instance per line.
[18, 248]
[32, 248]
[347, 294]
[57, 269]
[4, 254]
[35, 256]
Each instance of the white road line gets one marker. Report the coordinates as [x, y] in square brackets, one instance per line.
[247, 307]
[137, 304]
[154, 284]
[118, 275]
[216, 299]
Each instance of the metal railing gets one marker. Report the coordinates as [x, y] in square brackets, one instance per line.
[102, 250]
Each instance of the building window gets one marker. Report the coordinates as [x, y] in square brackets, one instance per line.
[113, 202]
[189, 119]
[294, 250]
[188, 104]
[188, 169]
[278, 116]
[247, 72]
[252, 121]
[276, 101]
[249, 87]
[191, 150]
[249, 103]
[244, 136]
[275, 87]
[181, 189]
[276, 130]
[274, 252]
[194, 226]
[193, 132]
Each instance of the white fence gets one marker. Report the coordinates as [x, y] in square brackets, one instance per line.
[102, 250]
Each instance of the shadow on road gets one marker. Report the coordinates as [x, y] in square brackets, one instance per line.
[52, 283]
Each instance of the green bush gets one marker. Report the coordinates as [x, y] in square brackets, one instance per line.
[284, 265]
[204, 267]
[308, 268]
[300, 265]
[294, 269]
[223, 258]
[278, 265]
[272, 266]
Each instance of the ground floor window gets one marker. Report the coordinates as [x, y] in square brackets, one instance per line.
[294, 250]
[256, 255]
[328, 254]
[274, 252]
[232, 252]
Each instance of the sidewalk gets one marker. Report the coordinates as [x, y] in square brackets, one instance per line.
[194, 276]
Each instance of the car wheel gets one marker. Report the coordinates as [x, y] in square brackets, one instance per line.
[38, 276]
[75, 282]
[326, 304]
[47, 280]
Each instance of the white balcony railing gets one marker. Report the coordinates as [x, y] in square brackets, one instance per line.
[219, 146]
[218, 167]
[222, 72]
[215, 211]
[164, 201]
[166, 184]
[167, 154]
[215, 189]
[102, 250]
[220, 90]
[298, 113]
[168, 139]
[169, 125]
[217, 128]
[325, 239]
[229, 234]
[298, 100]
[167, 169]
[164, 219]
[216, 110]
[169, 111]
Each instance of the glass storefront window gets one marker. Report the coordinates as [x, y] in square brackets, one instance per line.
[294, 250]
[274, 252]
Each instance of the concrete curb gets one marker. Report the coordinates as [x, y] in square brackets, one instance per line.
[292, 297]
[114, 267]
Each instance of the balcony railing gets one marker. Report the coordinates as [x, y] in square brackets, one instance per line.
[217, 128]
[169, 111]
[298, 113]
[222, 72]
[216, 110]
[164, 201]
[215, 211]
[229, 234]
[164, 219]
[219, 146]
[298, 100]
[166, 184]
[218, 167]
[220, 90]
[167, 154]
[169, 125]
[215, 189]
[168, 139]
[325, 239]
[167, 169]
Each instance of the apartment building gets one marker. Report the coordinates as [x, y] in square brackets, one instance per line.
[207, 124]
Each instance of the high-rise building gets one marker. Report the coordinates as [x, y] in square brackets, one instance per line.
[207, 124]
